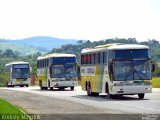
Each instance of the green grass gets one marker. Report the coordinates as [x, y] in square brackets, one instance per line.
[156, 82]
[9, 111]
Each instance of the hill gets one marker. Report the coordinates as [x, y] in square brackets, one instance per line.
[43, 42]
[21, 49]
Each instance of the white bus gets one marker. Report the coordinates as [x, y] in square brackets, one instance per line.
[116, 69]
[18, 74]
[57, 71]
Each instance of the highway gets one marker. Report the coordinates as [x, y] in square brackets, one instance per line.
[120, 105]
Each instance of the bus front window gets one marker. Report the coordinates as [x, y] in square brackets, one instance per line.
[70, 71]
[122, 70]
[21, 73]
[132, 70]
[57, 71]
[141, 69]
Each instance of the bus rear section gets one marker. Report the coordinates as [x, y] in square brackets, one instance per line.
[19, 74]
[59, 73]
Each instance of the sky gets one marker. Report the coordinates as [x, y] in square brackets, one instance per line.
[80, 19]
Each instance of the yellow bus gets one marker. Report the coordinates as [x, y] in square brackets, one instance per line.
[116, 69]
[57, 71]
[18, 74]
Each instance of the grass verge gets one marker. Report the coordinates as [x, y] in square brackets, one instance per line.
[156, 82]
[11, 112]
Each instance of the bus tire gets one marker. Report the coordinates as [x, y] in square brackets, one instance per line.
[72, 88]
[42, 88]
[11, 85]
[27, 85]
[61, 88]
[51, 88]
[48, 83]
[96, 94]
[107, 91]
[40, 85]
[89, 90]
[141, 96]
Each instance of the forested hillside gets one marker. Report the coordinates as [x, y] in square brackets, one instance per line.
[44, 42]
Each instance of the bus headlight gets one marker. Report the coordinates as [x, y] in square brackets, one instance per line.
[147, 82]
[148, 89]
[56, 84]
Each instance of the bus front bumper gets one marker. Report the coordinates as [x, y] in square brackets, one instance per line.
[57, 84]
[129, 90]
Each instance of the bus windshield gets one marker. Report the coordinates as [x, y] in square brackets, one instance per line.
[70, 71]
[63, 71]
[132, 70]
[20, 73]
[57, 71]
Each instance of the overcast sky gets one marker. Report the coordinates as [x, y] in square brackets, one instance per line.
[80, 19]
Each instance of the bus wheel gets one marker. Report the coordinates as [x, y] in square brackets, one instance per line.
[96, 94]
[26, 85]
[40, 85]
[42, 88]
[89, 90]
[72, 88]
[51, 88]
[141, 96]
[61, 88]
[107, 91]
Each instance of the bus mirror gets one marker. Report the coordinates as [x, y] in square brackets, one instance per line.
[153, 67]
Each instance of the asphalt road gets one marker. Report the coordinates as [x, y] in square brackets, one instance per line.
[36, 101]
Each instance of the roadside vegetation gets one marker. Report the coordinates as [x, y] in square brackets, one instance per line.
[156, 82]
[11, 112]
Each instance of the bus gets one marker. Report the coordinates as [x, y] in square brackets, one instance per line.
[116, 70]
[18, 74]
[57, 70]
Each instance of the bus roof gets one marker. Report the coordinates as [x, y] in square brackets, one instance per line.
[16, 62]
[115, 46]
[55, 55]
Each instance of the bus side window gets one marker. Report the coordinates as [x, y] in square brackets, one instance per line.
[81, 59]
[85, 59]
[97, 58]
[105, 57]
[40, 64]
[89, 58]
[47, 62]
[101, 58]
[37, 64]
[92, 58]
[110, 55]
